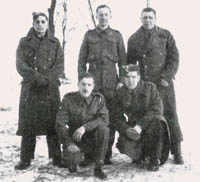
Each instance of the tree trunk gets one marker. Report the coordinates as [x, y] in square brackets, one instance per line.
[51, 17]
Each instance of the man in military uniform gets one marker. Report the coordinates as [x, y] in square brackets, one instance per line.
[82, 126]
[155, 50]
[138, 112]
[103, 48]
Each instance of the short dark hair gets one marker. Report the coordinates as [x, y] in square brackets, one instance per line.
[102, 6]
[129, 68]
[37, 14]
[148, 9]
[87, 75]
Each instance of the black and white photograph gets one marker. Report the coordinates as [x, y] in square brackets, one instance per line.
[99, 90]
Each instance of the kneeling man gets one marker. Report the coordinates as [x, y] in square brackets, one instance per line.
[138, 113]
[81, 124]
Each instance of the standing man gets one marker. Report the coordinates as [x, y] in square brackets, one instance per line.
[155, 50]
[40, 62]
[82, 126]
[103, 49]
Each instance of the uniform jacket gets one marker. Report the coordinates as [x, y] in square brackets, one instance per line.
[102, 49]
[158, 58]
[38, 60]
[75, 111]
[139, 106]
[156, 54]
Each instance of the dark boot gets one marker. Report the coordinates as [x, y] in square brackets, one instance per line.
[178, 159]
[57, 162]
[72, 169]
[153, 164]
[88, 159]
[176, 151]
[108, 162]
[22, 165]
[99, 173]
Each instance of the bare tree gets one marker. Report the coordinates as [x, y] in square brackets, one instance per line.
[91, 13]
[51, 11]
[64, 23]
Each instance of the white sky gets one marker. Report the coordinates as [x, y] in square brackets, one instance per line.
[181, 17]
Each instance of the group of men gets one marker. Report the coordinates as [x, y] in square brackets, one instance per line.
[138, 100]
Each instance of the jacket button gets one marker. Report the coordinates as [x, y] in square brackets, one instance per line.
[45, 67]
[49, 59]
[144, 55]
[145, 66]
[36, 68]
[35, 58]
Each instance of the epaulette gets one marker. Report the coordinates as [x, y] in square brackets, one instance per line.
[97, 94]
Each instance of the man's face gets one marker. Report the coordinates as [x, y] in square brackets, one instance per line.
[40, 25]
[103, 16]
[131, 79]
[86, 86]
[148, 20]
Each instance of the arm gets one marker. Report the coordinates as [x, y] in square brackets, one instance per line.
[102, 117]
[62, 121]
[131, 52]
[83, 54]
[121, 55]
[155, 109]
[172, 60]
[55, 72]
[26, 71]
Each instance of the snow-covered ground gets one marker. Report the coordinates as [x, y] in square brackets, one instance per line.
[42, 169]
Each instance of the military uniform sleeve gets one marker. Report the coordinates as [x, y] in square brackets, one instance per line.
[83, 54]
[155, 109]
[62, 122]
[28, 73]
[121, 55]
[119, 119]
[102, 117]
[172, 59]
[55, 72]
[131, 52]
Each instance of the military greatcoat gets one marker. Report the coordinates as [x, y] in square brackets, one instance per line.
[40, 62]
[158, 58]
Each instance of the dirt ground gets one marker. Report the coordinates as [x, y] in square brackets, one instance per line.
[42, 169]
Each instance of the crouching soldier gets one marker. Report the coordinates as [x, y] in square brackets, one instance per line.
[82, 126]
[138, 113]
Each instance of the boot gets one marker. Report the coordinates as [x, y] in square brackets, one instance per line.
[108, 162]
[176, 151]
[153, 164]
[99, 173]
[22, 165]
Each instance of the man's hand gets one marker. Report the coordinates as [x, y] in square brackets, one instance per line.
[78, 134]
[119, 85]
[72, 148]
[132, 134]
[164, 83]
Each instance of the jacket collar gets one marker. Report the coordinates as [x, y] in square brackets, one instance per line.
[32, 35]
[107, 30]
